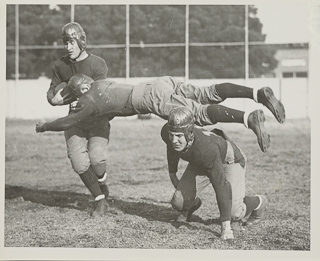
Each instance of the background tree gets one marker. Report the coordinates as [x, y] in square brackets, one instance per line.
[157, 24]
[149, 24]
[226, 23]
[106, 26]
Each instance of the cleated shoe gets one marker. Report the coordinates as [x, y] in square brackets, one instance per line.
[226, 230]
[227, 234]
[101, 208]
[196, 204]
[267, 98]
[257, 214]
[182, 218]
[104, 189]
[256, 124]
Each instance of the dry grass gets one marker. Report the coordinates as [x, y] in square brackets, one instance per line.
[46, 204]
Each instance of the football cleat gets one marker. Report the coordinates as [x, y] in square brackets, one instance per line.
[267, 98]
[256, 124]
[101, 208]
[196, 205]
[257, 214]
[182, 218]
[227, 234]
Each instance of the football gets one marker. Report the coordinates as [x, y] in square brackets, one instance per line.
[63, 86]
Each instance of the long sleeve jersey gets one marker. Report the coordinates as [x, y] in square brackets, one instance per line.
[92, 66]
[208, 152]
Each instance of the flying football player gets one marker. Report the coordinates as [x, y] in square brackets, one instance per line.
[109, 99]
[214, 155]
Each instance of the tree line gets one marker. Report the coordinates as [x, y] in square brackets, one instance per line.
[149, 24]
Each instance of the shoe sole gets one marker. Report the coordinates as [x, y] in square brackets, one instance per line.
[274, 105]
[262, 136]
[252, 222]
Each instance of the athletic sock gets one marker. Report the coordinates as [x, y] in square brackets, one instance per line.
[255, 95]
[230, 90]
[103, 178]
[90, 179]
[245, 118]
[99, 169]
[220, 113]
[252, 202]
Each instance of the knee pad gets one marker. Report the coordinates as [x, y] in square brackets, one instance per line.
[97, 156]
[177, 200]
[99, 169]
[80, 163]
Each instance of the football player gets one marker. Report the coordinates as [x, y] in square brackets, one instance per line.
[86, 145]
[109, 99]
[214, 155]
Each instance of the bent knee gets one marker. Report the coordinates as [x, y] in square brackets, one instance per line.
[97, 156]
[80, 163]
[97, 159]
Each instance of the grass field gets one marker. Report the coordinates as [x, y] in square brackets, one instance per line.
[46, 205]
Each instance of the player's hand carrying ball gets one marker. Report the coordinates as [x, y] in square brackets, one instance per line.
[62, 95]
[40, 126]
[58, 97]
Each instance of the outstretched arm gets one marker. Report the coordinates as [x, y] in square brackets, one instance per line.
[67, 122]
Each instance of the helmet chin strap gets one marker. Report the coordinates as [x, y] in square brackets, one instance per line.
[74, 60]
[189, 143]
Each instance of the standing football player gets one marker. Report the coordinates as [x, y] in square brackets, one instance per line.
[211, 154]
[86, 145]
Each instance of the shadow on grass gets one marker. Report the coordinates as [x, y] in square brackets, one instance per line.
[82, 202]
[62, 199]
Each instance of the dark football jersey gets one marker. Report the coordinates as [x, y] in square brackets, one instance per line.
[207, 153]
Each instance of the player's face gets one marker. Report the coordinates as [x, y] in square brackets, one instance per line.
[178, 140]
[72, 48]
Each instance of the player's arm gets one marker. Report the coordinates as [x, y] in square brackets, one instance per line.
[55, 82]
[78, 115]
[173, 161]
[61, 95]
[222, 188]
[101, 70]
[50, 94]
[57, 93]
[174, 179]
[223, 195]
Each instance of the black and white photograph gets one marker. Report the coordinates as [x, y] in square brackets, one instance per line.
[180, 130]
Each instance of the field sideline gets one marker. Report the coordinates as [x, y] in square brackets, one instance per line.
[46, 204]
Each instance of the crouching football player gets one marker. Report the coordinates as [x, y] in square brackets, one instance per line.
[211, 154]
